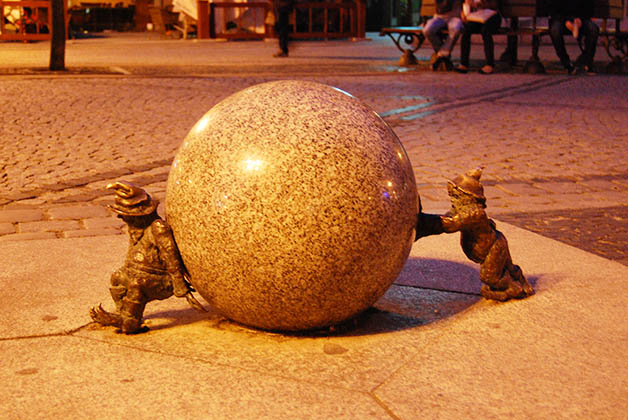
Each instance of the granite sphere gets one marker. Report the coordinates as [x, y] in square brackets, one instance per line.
[293, 205]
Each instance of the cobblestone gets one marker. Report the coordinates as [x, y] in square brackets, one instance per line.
[76, 212]
[48, 226]
[21, 215]
[30, 236]
[103, 223]
[6, 228]
[553, 146]
[602, 231]
[90, 232]
[576, 187]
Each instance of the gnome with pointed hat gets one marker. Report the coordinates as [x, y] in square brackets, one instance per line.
[153, 269]
[480, 240]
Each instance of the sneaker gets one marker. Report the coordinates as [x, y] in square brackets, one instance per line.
[280, 54]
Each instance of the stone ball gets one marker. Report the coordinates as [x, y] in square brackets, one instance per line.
[293, 205]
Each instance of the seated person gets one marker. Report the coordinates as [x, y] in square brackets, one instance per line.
[479, 16]
[447, 16]
[573, 16]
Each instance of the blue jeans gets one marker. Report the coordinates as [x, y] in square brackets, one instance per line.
[437, 24]
[589, 32]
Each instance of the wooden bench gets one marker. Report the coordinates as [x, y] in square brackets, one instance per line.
[513, 10]
[614, 40]
[409, 39]
[165, 22]
[26, 20]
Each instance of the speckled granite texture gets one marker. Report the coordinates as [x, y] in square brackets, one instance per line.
[293, 205]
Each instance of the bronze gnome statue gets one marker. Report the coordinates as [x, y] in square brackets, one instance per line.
[480, 240]
[153, 269]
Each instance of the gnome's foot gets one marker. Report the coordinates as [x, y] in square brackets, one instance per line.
[487, 293]
[528, 290]
[103, 317]
[127, 325]
[514, 291]
[133, 326]
[517, 275]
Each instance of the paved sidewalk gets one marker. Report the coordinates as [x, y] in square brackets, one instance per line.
[553, 148]
[431, 348]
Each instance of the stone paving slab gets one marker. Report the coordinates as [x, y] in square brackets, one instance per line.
[421, 353]
[67, 377]
[46, 283]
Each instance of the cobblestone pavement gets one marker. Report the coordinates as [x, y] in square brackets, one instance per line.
[553, 147]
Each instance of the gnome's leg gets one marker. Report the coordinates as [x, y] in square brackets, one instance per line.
[494, 273]
[517, 275]
[117, 294]
[118, 287]
[131, 313]
[132, 309]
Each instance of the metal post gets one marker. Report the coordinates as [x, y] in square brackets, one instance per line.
[57, 43]
[202, 19]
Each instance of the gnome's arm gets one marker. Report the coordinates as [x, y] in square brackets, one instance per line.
[170, 256]
[428, 224]
[451, 223]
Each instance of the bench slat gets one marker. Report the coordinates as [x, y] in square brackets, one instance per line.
[428, 8]
[609, 9]
[524, 8]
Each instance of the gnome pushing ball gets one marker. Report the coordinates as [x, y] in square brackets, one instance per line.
[152, 269]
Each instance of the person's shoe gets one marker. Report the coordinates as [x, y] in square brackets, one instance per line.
[436, 63]
[449, 66]
[442, 64]
[461, 69]
[570, 68]
[486, 70]
[577, 70]
[590, 70]
[443, 54]
[280, 54]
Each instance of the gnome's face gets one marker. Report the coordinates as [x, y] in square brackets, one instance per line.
[140, 222]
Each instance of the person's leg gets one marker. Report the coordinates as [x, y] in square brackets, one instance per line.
[283, 29]
[490, 27]
[454, 27]
[556, 33]
[465, 42]
[431, 30]
[590, 32]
